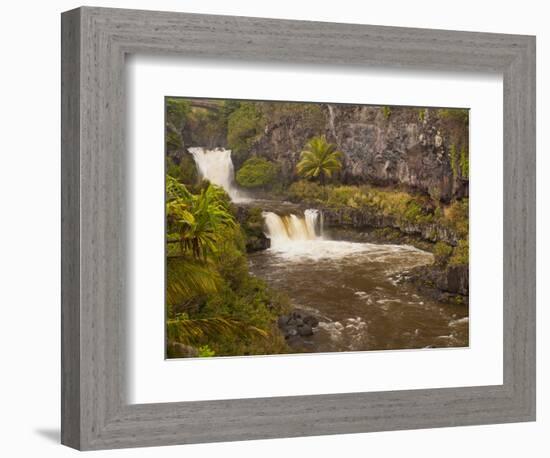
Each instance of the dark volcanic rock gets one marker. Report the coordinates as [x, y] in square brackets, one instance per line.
[407, 147]
[252, 222]
[311, 321]
[305, 330]
[364, 218]
[257, 243]
[442, 282]
[297, 324]
[457, 279]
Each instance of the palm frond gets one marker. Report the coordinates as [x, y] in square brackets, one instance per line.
[199, 331]
[319, 159]
[186, 277]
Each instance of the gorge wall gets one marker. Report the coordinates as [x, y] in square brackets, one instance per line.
[420, 148]
[381, 145]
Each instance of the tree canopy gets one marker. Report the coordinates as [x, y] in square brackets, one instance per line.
[257, 172]
[319, 159]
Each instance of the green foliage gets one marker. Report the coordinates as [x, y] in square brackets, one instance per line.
[257, 172]
[435, 193]
[464, 163]
[194, 222]
[319, 159]
[460, 163]
[399, 204]
[244, 125]
[461, 253]
[414, 211]
[386, 111]
[177, 111]
[187, 277]
[253, 228]
[442, 252]
[422, 114]
[195, 331]
[307, 191]
[228, 107]
[206, 352]
[185, 171]
[254, 221]
[211, 298]
[455, 216]
[460, 115]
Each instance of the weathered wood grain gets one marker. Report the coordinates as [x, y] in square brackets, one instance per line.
[95, 41]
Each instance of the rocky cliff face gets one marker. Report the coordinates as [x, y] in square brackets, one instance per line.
[381, 145]
[364, 219]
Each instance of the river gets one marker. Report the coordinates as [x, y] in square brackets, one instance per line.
[355, 290]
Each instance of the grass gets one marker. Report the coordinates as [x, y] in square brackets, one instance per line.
[404, 207]
[407, 207]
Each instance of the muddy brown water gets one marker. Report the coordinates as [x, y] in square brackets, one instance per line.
[357, 292]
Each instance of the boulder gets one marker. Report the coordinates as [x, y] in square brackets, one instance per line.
[312, 321]
[305, 330]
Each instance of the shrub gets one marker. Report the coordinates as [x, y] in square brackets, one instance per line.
[456, 114]
[307, 191]
[413, 212]
[442, 252]
[461, 253]
[386, 111]
[257, 172]
[435, 193]
[177, 113]
[244, 125]
[456, 217]
[205, 351]
[464, 163]
[185, 171]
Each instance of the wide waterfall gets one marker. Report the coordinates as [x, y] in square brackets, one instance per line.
[217, 167]
[288, 228]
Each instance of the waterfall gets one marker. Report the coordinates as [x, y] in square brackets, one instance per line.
[331, 120]
[292, 228]
[217, 167]
[311, 218]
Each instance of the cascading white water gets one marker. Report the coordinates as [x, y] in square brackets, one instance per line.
[292, 228]
[311, 218]
[216, 166]
[331, 119]
[301, 238]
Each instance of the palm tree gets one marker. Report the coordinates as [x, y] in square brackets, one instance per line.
[319, 159]
[196, 222]
[195, 227]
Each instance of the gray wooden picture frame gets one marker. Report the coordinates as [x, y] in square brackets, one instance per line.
[95, 413]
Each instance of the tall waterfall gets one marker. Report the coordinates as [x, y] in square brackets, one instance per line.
[217, 167]
[331, 120]
[291, 228]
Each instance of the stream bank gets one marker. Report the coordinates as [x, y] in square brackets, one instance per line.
[448, 283]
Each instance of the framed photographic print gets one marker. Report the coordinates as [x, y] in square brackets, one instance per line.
[305, 235]
[284, 228]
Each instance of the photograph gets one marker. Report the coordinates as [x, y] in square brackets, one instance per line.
[306, 227]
